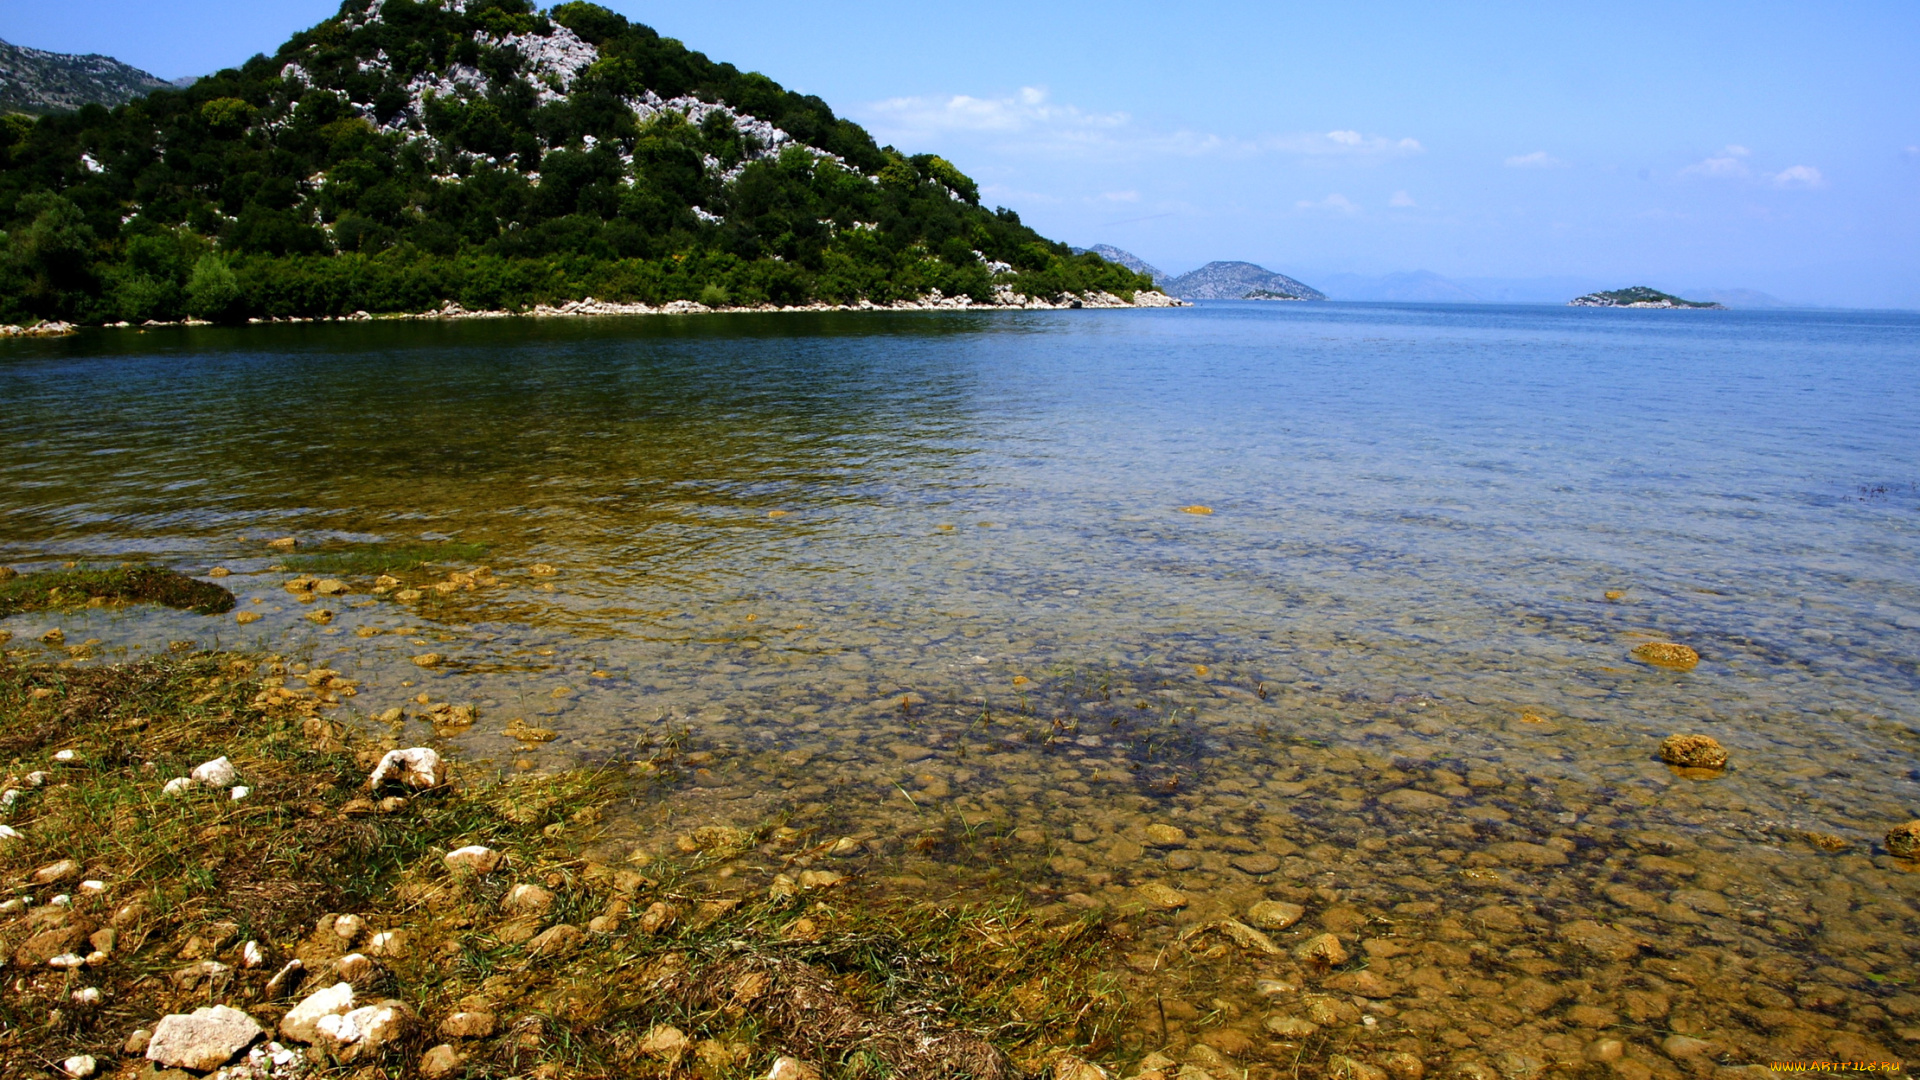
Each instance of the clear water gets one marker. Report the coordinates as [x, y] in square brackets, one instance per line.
[985, 614]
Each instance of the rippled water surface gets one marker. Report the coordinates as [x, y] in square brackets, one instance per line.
[929, 581]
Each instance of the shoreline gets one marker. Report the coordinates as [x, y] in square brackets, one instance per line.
[1004, 300]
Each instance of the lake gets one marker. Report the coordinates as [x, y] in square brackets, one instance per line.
[939, 583]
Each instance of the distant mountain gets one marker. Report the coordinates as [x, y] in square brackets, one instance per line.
[39, 82]
[1743, 298]
[1235, 280]
[1637, 296]
[1127, 259]
[1414, 287]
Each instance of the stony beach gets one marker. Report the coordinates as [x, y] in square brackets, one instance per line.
[218, 864]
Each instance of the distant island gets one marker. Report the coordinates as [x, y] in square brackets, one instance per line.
[1239, 281]
[447, 157]
[1639, 296]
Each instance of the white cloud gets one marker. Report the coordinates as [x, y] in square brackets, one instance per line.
[1346, 144]
[1798, 176]
[1400, 198]
[1726, 165]
[1539, 159]
[1336, 203]
[1024, 111]
[1029, 120]
[1120, 196]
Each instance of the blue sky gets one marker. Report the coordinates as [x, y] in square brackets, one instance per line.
[1756, 145]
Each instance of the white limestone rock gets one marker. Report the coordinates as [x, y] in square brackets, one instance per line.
[301, 1024]
[202, 1040]
[218, 773]
[416, 767]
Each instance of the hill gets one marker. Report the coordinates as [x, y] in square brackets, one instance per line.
[37, 82]
[1235, 281]
[1638, 296]
[403, 155]
[1125, 258]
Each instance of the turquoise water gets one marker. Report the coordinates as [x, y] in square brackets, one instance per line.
[984, 611]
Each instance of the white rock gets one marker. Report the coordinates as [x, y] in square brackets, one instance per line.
[87, 996]
[302, 1021]
[8, 834]
[416, 767]
[241, 791]
[96, 958]
[786, 1068]
[252, 955]
[67, 961]
[348, 927]
[61, 900]
[65, 756]
[8, 798]
[216, 773]
[362, 1032]
[93, 885]
[179, 785]
[473, 859]
[39, 777]
[11, 906]
[387, 943]
[80, 1066]
[202, 1040]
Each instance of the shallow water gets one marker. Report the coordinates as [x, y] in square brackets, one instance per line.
[926, 581]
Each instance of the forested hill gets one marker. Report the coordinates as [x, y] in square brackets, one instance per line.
[402, 154]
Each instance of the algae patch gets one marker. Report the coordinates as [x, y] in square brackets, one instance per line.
[65, 589]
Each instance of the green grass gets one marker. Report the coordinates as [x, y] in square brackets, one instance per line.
[67, 589]
[370, 559]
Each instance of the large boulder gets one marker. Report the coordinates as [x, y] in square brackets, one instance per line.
[202, 1040]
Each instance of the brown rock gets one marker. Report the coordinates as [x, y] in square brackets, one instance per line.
[557, 941]
[1693, 752]
[1256, 863]
[472, 1024]
[1903, 841]
[1402, 1065]
[1274, 914]
[40, 948]
[1364, 984]
[441, 1062]
[1323, 951]
[1161, 895]
[57, 873]
[1666, 654]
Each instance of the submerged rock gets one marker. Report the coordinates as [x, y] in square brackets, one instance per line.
[1667, 654]
[1903, 841]
[1693, 752]
[1274, 914]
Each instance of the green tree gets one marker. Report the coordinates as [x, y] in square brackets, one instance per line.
[212, 290]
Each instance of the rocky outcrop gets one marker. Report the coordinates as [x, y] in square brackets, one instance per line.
[1127, 259]
[36, 81]
[45, 329]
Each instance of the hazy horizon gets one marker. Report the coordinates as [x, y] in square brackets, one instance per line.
[1763, 147]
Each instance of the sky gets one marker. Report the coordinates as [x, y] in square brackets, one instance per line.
[1758, 145]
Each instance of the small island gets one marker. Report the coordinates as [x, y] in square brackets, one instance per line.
[1639, 296]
